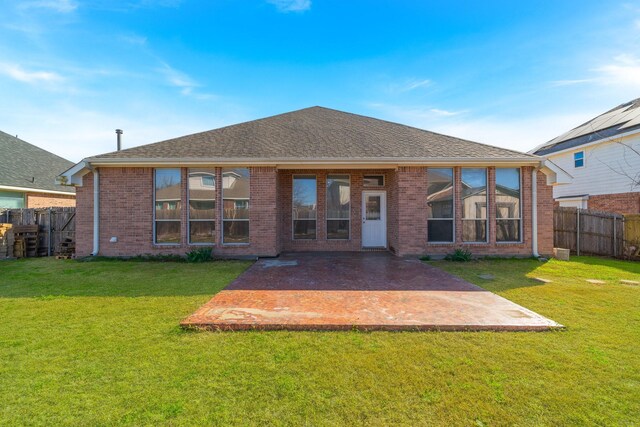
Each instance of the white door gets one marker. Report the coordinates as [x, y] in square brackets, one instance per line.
[374, 219]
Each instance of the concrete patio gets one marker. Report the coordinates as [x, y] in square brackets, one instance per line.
[369, 291]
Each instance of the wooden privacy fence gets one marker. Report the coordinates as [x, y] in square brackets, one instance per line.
[55, 225]
[592, 232]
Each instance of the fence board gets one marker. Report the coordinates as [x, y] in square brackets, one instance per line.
[54, 225]
[584, 231]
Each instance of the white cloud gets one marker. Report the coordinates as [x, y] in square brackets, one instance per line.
[624, 70]
[291, 5]
[32, 77]
[572, 82]
[60, 6]
[182, 81]
[134, 39]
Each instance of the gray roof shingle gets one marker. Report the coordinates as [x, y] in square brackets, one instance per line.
[25, 165]
[315, 133]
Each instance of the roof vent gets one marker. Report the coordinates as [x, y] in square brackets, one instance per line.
[119, 136]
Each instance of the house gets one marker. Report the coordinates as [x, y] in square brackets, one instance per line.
[315, 179]
[28, 176]
[603, 156]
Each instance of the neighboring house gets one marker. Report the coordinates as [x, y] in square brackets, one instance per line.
[28, 176]
[314, 180]
[603, 156]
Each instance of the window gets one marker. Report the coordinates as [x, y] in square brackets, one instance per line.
[305, 207]
[440, 205]
[235, 205]
[373, 181]
[202, 206]
[338, 207]
[578, 159]
[11, 200]
[508, 212]
[167, 206]
[474, 204]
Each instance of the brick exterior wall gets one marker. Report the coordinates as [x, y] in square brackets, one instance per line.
[126, 212]
[622, 203]
[46, 200]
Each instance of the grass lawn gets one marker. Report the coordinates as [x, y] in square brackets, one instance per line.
[98, 343]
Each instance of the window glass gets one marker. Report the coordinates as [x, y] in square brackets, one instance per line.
[440, 204]
[11, 200]
[474, 204]
[578, 159]
[304, 207]
[338, 206]
[202, 206]
[235, 209]
[167, 206]
[373, 180]
[508, 211]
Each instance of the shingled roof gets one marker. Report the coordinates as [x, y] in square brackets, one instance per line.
[315, 133]
[622, 119]
[24, 165]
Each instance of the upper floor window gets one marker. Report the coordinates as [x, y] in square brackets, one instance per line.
[578, 159]
[167, 200]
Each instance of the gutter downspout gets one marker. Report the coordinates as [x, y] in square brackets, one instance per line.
[96, 211]
[534, 211]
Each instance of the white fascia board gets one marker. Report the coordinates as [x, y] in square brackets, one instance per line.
[555, 174]
[73, 175]
[34, 190]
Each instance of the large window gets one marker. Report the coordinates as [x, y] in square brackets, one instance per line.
[235, 205]
[338, 206]
[440, 204]
[474, 204]
[508, 212]
[11, 200]
[202, 206]
[167, 206]
[305, 207]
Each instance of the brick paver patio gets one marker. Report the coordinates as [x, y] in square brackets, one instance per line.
[358, 290]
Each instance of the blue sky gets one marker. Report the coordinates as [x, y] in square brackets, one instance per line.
[513, 74]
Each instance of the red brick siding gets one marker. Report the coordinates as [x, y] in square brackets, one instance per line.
[126, 212]
[45, 200]
[622, 203]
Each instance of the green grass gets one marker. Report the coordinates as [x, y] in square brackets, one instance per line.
[98, 343]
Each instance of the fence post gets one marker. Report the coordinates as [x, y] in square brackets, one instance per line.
[49, 235]
[615, 238]
[578, 231]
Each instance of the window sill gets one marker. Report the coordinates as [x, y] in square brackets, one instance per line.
[235, 244]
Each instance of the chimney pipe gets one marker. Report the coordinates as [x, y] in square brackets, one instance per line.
[119, 133]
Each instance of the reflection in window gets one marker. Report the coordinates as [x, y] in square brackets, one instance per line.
[202, 206]
[508, 212]
[578, 159]
[167, 206]
[440, 204]
[373, 181]
[235, 205]
[372, 205]
[304, 207]
[474, 204]
[338, 207]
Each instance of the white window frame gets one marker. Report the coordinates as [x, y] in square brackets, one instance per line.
[520, 220]
[215, 202]
[293, 220]
[166, 220]
[326, 210]
[584, 159]
[384, 180]
[453, 219]
[486, 220]
[221, 209]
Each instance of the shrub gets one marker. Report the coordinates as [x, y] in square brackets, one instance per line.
[199, 255]
[460, 255]
[425, 258]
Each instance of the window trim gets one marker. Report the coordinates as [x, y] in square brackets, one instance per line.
[453, 218]
[326, 210]
[221, 209]
[384, 180]
[215, 201]
[583, 158]
[155, 242]
[293, 220]
[520, 220]
[486, 220]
